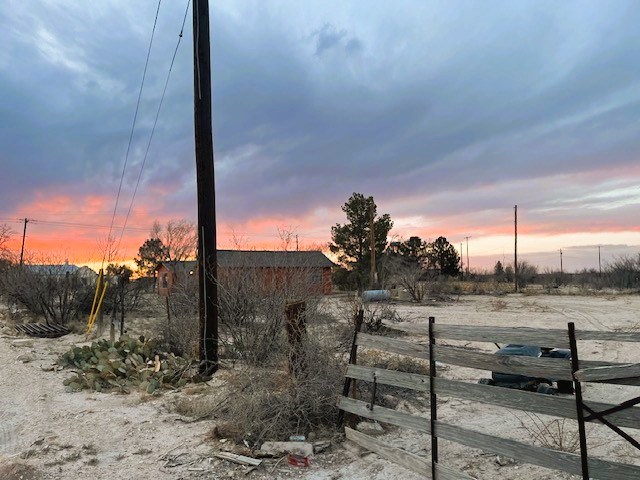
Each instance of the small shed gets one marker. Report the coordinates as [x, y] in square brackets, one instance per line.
[269, 265]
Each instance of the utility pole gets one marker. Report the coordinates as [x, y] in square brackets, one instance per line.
[467, 239]
[599, 263]
[207, 254]
[374, 277]
[461, 262]
[561, 261]
[24, 235]
[297, 246]
[515, 247]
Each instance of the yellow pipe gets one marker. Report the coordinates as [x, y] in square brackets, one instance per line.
[95, 296]
[104, 290]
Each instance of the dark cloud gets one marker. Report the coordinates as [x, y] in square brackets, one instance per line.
[435, 110]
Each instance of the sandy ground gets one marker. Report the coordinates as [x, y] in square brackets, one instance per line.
[55, 434]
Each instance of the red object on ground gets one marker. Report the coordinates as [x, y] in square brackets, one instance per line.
[298, 460]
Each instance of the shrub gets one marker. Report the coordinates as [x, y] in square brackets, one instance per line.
[46, 290]
[123, 365]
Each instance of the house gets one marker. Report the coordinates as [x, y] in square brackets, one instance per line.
[311, 267]
[86, 275]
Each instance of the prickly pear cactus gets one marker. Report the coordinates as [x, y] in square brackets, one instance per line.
[124, 365]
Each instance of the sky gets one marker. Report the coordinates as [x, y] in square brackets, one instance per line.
[447, 113]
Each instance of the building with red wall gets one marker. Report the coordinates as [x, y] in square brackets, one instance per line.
[312, 268]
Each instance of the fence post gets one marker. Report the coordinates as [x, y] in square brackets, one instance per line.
[433, 400]
[575, 366]
[358, 319]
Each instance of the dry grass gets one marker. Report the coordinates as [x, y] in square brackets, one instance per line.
[18, 471]
[497, 305]
[557, 434]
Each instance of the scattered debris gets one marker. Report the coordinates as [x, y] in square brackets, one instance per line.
[239, 459]
[298, 460]
[277, 449]
[22, 342]
[321, 446]
[505, 461]
[370, 428]
[25, 357]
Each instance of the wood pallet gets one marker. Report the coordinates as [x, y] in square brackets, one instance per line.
[42, 330]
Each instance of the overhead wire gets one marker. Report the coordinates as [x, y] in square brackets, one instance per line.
[133, 126]
[155, 123]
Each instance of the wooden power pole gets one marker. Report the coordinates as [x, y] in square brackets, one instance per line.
[24, 235]
[561, 270]
[207, 254]
[515, 247]
[599, 263]
[467, 239]
[374, 277]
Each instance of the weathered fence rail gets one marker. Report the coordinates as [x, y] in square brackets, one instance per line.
[625, 415]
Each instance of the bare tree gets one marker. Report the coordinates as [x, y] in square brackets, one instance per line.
[5, 236]
[180, 238]
[416, 280]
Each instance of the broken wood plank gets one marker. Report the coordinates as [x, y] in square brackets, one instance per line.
[239, 459]
[609, 372]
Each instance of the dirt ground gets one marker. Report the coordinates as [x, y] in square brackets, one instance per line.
[49, 433]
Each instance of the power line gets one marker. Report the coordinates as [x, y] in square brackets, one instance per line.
[68, 224]
[133, 126]
[155, 123]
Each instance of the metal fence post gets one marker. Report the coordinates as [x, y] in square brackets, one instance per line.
[433, 401]
[575, 366]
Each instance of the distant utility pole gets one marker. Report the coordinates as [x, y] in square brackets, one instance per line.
[374, 277]
[515, 247]
[467, 239]
[297, 246]
[24, 235]
[207, 254]
[561, 261]
[461, 262]
[599, 263]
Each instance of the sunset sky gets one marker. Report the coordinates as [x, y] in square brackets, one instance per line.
[448, 112]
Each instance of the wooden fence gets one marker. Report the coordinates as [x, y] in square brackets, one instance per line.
[625, 415]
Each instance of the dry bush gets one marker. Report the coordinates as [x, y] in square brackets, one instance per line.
[376, 314]
[251, 311]
[272, 404]
[46, 290]
[497, 305]
[411, 276]
[401, 363]
[181, 330]
[18, 471]
[557, 434]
